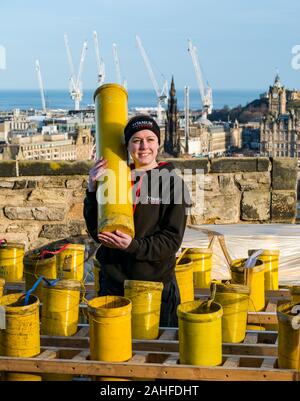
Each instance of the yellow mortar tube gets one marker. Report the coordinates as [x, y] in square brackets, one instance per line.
[34, 267]
[234, 300]
[11, 261]
[295, 293]
[111, 117]
[21, 377]
[270, 257]
[21, 337]
[200, 333]
[288, 337]
[70, 262]
[2, 284]
[61, 308]
[202, 265]
[184, 277]
[110, 328]
[145, 297]
[255, 281]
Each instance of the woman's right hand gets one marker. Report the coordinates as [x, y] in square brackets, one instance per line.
[95, 173]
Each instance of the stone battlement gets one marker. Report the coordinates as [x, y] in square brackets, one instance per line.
[42, 201]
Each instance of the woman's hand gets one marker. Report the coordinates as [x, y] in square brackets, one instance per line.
[117, 240]
[95, 173]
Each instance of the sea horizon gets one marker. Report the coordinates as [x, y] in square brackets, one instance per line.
[137, 98]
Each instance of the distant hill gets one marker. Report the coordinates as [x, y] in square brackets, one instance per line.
[253, 111]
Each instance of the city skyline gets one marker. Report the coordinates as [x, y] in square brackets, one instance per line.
[240, 46]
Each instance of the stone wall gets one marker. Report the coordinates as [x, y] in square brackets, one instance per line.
[41, 202]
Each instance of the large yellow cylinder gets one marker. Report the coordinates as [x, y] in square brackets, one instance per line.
[70, 262]
[2, 284]
[145, 297]
[288, 337]
[110, 328]
[34, 267]
[200, 333]
[115, 210]
[21, 337]
[255, 281]
[270, 257]
[21, 377]
[61, 308]
[234, 300]
[11, 261]
[184, 277]
[295, 293]
[202, 265]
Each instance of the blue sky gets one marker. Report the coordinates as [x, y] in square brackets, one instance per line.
[240, 43]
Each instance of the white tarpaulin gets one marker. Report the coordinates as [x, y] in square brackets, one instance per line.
[241, 237]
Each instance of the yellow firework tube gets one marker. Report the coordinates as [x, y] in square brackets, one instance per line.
[184, 277]
[21, 336]
[254, 278]
[110, 328]
[202, 265]
[270, 257]
[234, 299]
[288, 336]
[70, 262]
[61, 308]
[200, 333]
[114, 191]
[146, 303]
[295, 292]
[11, 261]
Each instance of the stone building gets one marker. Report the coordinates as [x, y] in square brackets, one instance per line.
[55, 146]
[13, 122]
[280, 128]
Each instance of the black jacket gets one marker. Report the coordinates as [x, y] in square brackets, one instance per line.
[159, 219]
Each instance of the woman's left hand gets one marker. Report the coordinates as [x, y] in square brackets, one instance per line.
[117, 240]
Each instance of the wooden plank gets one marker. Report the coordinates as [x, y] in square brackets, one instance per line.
[83, 332]
[172, 359]
[262, 318]
[82, 355]
[232, 362]
[147, 371]
[165, 346]
[269, 363]
[272, 306]
[169, 334]
[138, 358]
[251, 338]
[49, 354]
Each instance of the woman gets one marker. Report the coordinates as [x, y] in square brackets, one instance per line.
[159, 221]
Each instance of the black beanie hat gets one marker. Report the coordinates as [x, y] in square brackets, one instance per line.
[139, 123]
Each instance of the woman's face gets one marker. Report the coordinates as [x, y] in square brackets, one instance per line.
[143, 148]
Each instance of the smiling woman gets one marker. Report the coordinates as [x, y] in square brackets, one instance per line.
[159, 221]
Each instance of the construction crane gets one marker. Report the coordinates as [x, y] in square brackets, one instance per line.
[75, 82]
[162, 94]
[120, 81]
[100, 62]
[205, 90]
[41, 86]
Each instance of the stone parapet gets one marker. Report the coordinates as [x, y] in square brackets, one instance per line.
[43, 201]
